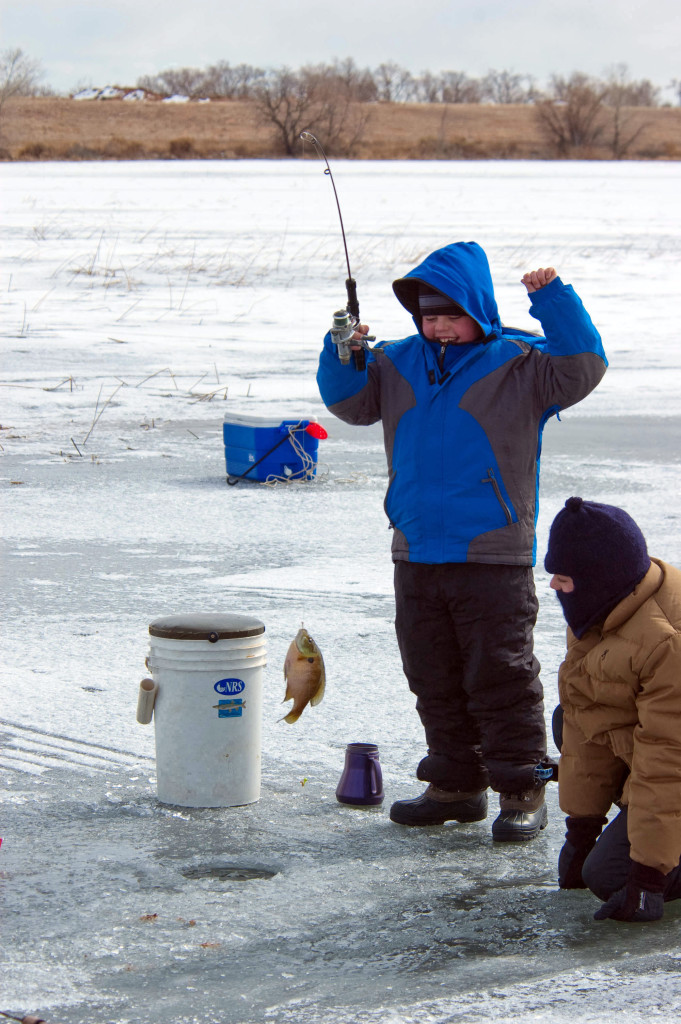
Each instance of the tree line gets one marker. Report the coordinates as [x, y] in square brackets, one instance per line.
[387, 83]
[334, 100]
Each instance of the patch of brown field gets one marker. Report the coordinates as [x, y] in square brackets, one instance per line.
[453, 131]
[40, 128]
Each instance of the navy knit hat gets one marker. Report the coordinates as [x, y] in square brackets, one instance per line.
[602, 549]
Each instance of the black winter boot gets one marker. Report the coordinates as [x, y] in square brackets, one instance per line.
[522, 816]
[436, 806]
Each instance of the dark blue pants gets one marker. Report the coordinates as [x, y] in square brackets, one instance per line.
[465, 636]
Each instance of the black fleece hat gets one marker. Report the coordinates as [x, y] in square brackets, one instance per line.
[434, 303]
[605, 553]
[411, 292]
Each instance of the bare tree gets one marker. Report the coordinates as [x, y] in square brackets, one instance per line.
[574, 116]
[219, 81]
[394, 83]
[222, 81]
[447, 87]
[358, 82]
[313, 99]
[428, 88]
[621, 95]
[507, 87]
[622, 89]
[176, 81]
[19, 75]
[457, 87]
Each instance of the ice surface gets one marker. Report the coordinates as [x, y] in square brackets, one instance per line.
[140, 302]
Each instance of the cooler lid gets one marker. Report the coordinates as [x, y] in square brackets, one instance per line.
[206, 626]
[244, 420]
[252, 421]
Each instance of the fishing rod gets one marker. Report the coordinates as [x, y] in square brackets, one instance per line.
[344, 326]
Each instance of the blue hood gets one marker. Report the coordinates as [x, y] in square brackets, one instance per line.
[461, 272]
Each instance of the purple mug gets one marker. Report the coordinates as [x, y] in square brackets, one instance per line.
[361, 783]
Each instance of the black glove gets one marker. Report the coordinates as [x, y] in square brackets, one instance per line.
[640, 899]
[580, 840]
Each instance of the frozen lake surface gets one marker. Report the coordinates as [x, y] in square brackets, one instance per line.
[140, 304]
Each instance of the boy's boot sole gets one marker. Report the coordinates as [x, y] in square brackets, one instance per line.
[518, 826]
[423, 810]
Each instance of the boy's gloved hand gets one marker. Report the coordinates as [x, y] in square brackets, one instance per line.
[580, 840]
[640, 899]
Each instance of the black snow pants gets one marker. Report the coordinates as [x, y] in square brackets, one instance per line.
[465, 636]
[607, 867]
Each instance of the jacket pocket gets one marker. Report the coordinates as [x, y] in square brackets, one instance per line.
[622, 743]
[491, 479]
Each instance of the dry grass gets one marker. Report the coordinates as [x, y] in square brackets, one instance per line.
[63, 129]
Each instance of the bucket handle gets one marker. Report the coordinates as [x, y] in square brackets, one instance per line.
[145, 701]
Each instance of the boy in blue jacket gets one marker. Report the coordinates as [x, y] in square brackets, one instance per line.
[463, 403]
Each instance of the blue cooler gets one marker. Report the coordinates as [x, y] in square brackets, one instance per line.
[249, 440]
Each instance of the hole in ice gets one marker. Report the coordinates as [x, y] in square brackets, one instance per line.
[227, 872]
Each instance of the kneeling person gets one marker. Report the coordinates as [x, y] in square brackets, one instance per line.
[620, 698]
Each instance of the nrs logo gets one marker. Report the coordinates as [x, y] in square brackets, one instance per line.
[230, 686]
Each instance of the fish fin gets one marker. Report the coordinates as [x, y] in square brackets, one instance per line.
[291, 717]
[288, 695]
[319, 692]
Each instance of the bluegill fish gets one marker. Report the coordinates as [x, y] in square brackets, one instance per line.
[304, 674]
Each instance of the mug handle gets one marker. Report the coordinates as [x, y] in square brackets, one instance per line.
[374, 778]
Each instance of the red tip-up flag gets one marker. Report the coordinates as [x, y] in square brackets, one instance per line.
[316, 430]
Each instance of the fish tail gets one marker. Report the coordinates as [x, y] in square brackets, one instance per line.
[291, 717]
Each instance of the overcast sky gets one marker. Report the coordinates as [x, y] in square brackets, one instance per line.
[102, 42]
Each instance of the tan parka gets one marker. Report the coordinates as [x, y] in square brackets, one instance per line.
[620, 690]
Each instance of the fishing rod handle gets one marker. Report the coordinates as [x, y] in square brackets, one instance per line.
[353, 303]
[353, 308]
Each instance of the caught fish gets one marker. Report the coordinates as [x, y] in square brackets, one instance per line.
[304, 675]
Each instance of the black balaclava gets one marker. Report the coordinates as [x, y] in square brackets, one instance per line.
[604, 552]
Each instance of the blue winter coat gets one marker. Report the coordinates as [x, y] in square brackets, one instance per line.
[463, 443]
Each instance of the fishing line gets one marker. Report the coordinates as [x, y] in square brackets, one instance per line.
[350, 284]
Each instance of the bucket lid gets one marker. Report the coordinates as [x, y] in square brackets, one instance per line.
[206, 626]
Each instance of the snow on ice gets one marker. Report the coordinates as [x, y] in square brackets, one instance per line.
[140, 303]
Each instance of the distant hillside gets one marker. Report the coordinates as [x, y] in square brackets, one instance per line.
[40, 128]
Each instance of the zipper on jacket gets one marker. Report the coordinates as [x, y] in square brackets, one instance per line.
[491, 479]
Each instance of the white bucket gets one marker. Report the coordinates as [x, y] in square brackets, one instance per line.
[208, 709]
